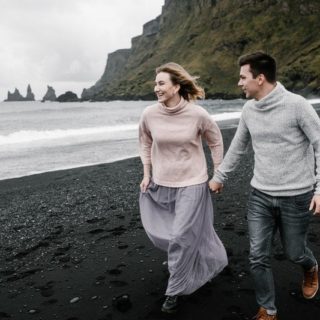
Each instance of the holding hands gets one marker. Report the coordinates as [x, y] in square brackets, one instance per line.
[315, 205]
[215, 186]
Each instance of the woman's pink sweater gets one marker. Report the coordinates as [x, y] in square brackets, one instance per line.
[170, 141]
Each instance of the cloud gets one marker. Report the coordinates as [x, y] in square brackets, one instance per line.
[46, 41]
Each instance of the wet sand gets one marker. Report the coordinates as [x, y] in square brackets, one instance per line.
[72, 247]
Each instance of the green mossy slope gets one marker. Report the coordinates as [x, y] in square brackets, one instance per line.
[208, 36]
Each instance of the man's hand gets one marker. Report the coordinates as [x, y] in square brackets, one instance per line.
[315, 205]
[144, 184]
[215, 186]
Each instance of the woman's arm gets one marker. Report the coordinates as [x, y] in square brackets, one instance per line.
[213, 137]
[145, 143]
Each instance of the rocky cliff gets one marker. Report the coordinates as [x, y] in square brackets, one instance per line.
[208, 36]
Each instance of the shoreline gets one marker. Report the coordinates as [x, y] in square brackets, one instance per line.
[223, 124]
[74, 248]
[68, 168]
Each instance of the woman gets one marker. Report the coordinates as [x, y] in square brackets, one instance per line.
[176, 207]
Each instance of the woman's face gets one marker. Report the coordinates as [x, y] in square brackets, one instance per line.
[164, 88]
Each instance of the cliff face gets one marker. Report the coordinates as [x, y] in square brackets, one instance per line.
[113, 70]
[208, 36]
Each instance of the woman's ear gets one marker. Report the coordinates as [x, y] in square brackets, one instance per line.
[177, 88]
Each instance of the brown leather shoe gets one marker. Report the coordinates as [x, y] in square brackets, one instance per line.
[263, 315]
[310, 284]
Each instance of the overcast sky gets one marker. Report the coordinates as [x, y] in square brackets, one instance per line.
[65, 43]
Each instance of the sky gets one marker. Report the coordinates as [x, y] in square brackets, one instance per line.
[65, 43]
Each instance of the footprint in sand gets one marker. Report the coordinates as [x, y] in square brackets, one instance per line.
[62, 250]
[122, 303]
[229, 226]
[118, 283]
[47, 289]
[114, 272]
[49, 302]
[96, 231]
[122, 245]
[95, 220]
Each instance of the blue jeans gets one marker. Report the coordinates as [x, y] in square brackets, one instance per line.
[266, 214]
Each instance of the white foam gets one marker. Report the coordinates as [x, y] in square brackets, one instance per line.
[226, 116]
[314, 101]
[27, 136]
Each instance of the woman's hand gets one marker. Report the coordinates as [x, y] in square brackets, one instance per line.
[144, 184]
[215, 186]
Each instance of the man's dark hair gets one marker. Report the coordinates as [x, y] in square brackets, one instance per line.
[260, 63]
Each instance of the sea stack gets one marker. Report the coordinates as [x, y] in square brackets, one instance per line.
[15, 96]
[69, 96]
[50, 95]
[30, 94]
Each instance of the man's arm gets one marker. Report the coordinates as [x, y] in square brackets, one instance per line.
[310, 124]
[237, 148]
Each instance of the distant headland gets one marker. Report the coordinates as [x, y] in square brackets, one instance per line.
[207, 37]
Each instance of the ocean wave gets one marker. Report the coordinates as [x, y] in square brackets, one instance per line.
[226, 116]
[27, 136]
[314, 101]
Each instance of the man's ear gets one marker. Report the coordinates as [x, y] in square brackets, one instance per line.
[261, 79]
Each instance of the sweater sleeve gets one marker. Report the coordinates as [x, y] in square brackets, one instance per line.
[213, 137]
[237, 148]
[309, 122]
[145, 141]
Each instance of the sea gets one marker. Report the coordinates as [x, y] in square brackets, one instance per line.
[38, 137]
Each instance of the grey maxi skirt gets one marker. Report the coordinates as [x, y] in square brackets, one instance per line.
[180, 221]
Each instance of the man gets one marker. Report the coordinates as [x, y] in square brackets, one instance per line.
[285, 133]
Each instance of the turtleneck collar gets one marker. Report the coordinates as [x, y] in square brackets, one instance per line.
[271, 98]
[182, 103]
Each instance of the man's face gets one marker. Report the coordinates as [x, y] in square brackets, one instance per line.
[249, 85]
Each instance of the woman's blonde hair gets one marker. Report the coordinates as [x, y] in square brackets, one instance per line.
[189, 89]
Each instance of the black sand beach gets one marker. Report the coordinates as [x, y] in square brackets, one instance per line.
[73, 248]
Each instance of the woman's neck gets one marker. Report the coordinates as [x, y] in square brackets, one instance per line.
[173, 102]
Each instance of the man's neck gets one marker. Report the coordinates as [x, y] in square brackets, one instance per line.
[265, 90]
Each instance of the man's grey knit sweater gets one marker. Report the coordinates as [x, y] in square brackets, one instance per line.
[285, 133]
